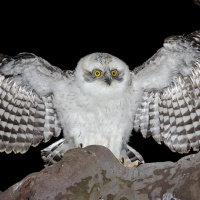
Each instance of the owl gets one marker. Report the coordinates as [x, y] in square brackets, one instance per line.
[102, 101]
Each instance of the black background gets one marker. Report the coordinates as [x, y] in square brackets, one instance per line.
[62, 34]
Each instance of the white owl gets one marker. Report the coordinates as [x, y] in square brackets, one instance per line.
[102, 101]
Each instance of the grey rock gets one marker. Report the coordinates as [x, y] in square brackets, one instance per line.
[93, 173]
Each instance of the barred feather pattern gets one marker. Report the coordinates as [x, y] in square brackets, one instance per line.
[173, 116]
[54, 152]
[25, 118]
[144, 115]
[51, 127]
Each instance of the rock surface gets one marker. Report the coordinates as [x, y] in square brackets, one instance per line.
[93, 173]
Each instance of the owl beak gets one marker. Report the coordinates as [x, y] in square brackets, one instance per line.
[108, 78]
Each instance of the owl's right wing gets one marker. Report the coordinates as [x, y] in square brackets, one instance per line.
[27, 113]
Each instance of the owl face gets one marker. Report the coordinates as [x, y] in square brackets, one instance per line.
[102, 74]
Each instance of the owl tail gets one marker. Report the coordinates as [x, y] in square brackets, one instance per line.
[53, 153]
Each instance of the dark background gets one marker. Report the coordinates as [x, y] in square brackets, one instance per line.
[62, 34]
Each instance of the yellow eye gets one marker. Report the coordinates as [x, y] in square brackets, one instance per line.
[114, 73]
[97, 73]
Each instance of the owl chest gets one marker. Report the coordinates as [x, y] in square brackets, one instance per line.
[90, 117]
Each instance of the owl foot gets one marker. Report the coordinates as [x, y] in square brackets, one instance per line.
[80, 145]
[132, 164]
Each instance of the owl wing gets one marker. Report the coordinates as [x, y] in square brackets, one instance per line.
[197, 2]
[27, 114]
[167, 87]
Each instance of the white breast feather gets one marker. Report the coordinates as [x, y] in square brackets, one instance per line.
[87, 120]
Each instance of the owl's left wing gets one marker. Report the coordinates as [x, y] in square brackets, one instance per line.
[166, 89]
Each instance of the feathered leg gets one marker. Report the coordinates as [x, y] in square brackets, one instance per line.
[130, 156]
[54, 152]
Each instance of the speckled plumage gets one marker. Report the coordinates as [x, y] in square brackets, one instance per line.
[102, 101]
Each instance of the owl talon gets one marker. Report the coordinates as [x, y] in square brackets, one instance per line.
[80, 145]
[132, 164]
[121, 160]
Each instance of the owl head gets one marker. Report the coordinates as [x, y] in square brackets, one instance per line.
[100, 74]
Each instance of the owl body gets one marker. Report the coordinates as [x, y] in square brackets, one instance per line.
[88, 119]
[101, 101]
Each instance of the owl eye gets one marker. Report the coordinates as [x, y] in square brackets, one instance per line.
[97, 73]
[114, 72]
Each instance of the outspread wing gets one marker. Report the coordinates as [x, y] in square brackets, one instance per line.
[168, 90]
[27, 114]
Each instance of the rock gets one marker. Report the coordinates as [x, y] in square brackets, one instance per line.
[93, 173]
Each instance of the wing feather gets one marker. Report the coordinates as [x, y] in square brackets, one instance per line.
[144, 115]
[27, 114]
[136, 123]
[170, 86]
[154, 118]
